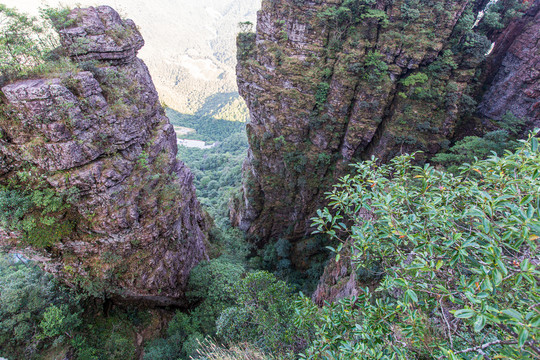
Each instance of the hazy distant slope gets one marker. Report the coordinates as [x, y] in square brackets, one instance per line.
[190, 45]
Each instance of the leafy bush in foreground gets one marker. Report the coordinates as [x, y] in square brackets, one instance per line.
[35, 311]
[459, 256]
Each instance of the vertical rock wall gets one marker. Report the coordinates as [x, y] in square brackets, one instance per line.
[513, 71]
[328, 84]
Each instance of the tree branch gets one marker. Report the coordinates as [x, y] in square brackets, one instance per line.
[479, 348]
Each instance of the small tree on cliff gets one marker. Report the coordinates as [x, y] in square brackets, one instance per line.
[20, 47]
[26, 42]
[459, 258]
[245, 26]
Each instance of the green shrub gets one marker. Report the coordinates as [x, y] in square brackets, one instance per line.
[210, 285]
[471, 147]
[164, 349]
[111, 338]
[263, 315]
[35, 311]
[245, 26]
[417, 78]
[321, 94]
[29, 46]
[323, 160]
[38, 214]
[13, 206]
[245, 45]
[458, 258]
[375, 66]
[59, 320]
[409, 10]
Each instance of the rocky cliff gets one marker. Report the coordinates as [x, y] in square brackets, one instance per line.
[88, 165]
[335, 81]
[513, 71]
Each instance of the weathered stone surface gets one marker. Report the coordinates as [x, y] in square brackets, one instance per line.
[514, 71]
[103, 136]
[100, 34]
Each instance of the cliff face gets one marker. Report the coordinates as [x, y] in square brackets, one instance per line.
[513, 71]
[331, 82]
[93, 158]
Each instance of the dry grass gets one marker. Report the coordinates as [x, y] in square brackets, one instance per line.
[209, 350]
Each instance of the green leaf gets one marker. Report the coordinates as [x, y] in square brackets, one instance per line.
[525, 265]
[523, 336]
[530, 211]
[482, 295]
[502, 267]
[464, 313]
[535, 321]
[412, 295]
[513, 314]
[497, 277]
[534, 144]
[479, 323]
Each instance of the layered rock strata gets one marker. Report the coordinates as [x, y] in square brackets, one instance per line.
[99, 139]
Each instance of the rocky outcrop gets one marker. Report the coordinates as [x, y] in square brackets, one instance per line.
[116, 209]
[104, 36]
[513, 72]
[331, 82]
[339, 280]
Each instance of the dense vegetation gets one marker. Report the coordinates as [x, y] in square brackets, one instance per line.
[207, 129]
[451, 261]
[446, 261]
[454, 258]
[217, 172]
[42, 319]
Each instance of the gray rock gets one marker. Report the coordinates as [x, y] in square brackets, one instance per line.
[100, 34]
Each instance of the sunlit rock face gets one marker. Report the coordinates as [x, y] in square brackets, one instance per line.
[101, 136]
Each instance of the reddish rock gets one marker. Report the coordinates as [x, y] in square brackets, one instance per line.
[513, 71]
[103, 136]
